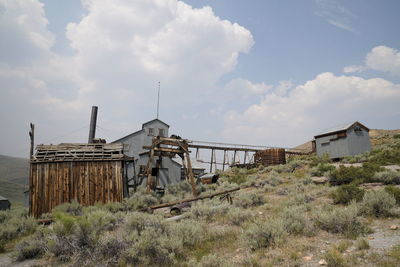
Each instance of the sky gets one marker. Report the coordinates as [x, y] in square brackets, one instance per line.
[261, 72]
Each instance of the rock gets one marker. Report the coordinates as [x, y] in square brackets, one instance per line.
[394, 227]
[319, 180]
[260, 212]
[371, 237]
[307, 258]
[322, 262]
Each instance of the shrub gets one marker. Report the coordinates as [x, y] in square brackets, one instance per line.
[396, 136]
[14, 227]
[321, 169]
[340, 220]
[211, 260]
[29, 249]
[395, 191]
[362, 244]
[179, 188]
[296, 222]
[138, 222]
[334, 258]
[140, 200]
[114, 207]
[346, 175]
[323, 159]
[249, 199]
[387, 177]
[389, 155]
[72, 208]
[154, 249]
[206, 212]
[190, 232]
[378, 203]
[238, 216]
[110, 248]
[64, 224]
[264, 234]
[344, 194]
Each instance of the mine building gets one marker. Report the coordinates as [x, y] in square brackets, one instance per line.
[343, 140]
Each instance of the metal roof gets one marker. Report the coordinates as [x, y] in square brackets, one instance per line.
[3, 198]
[339, 128]
[139, 131]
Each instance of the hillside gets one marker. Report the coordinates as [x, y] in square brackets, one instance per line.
[308, 212]
[14, 174]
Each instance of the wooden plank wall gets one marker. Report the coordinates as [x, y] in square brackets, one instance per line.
[87, 182]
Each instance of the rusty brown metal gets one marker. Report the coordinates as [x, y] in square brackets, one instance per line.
[269, 157]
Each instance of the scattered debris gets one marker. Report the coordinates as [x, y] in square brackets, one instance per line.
[209, 178]
[394, 227]
[164, 205]
[322, 262]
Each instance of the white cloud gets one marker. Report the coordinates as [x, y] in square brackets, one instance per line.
[354, 69]
[320, 103]
[336, 14]
[122, 49]
[383, 58]
[380, 58]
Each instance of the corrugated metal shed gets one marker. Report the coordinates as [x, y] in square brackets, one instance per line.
[344, 140]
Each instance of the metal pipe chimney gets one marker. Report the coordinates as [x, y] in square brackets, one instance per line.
[93, 121]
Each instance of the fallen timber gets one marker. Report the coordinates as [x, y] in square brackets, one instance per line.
[169, 204]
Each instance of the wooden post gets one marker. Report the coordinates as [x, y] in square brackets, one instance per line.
[212, 160]
[149, 167]
[234, 158]
[245, 157]
[223, 163]
[197, 153]
[190, 174]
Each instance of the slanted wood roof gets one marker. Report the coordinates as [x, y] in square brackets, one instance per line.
[78, 152]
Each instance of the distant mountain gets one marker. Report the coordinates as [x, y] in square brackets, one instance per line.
[14, 174]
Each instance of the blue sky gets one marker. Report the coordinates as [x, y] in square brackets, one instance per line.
[258, 72]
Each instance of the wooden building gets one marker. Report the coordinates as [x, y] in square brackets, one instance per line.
[87, 173]
[4, 203]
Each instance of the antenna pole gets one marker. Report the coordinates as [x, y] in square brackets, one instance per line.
[158, 100]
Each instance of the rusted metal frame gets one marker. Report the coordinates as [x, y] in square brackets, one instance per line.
[164, 205]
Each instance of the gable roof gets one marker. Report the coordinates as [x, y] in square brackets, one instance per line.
[3, 198]
[340, 128]
[149, 122]
[143, 125]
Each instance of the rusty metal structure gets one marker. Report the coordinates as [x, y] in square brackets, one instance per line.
[86, 173]
[269, 157]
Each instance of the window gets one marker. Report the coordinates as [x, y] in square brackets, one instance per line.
[161, 132]
[151, 131]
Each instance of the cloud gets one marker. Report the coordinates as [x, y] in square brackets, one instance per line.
[121, 50]
[354, 69]
[336, 14]
[380, 58]
[320, 103]
[383, 58]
